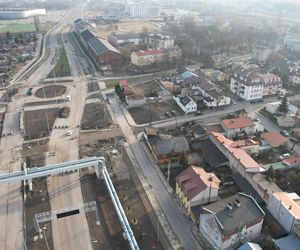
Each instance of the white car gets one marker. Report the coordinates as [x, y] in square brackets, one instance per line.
[68, 98]
[284, 156]
[69, 133]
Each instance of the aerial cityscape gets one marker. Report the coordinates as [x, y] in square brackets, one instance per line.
[159, 124]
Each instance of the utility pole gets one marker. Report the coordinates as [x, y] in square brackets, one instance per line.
[169, 166]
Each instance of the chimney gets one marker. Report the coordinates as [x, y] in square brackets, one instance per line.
[229, 206]
[290, 207]
[210, 178]
[237, 202]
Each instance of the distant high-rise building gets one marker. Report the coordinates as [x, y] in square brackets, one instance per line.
[139, 10]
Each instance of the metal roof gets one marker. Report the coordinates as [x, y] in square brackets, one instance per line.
[100, 46]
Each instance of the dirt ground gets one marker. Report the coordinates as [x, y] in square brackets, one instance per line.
[109, 234]
[95, 116]
[35, 122]
[126, 27]
[37, 202]
[93, 86]
[148, 87]
[34, 152]
[51, 91]
[153, 111]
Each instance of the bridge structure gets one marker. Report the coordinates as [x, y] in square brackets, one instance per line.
[101, 172]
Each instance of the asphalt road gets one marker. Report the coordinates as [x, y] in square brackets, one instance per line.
[180, 225]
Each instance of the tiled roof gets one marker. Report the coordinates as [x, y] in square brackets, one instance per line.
[289, 203]
[230, 220]
[245, 159]
[241, 122]
[151, 131]
[149, 52]
[294, 160]
[274, 138]
[194, 180]
[99, 46]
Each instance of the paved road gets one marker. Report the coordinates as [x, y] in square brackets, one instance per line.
[180, 225]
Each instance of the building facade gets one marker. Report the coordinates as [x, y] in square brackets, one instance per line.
[238, 127]
[229, 223]
[195, 187]
[251, 86]
[286, 210]
[186, 104]
[148, 57]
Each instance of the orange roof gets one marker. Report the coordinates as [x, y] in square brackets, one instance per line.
[150, 131]
[291, 160]
[289, 203]
[245, 159]
[274, 138]
[242, 122]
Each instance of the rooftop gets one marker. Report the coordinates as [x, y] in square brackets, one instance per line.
[288, 243]
[274, 138]
[241, 122]
[100, 46]
[198, 129]
[235, 211]
[246, 160]
[291, 161]
[151, 131]
[175, 145]
[185, 100]
[87, 35]
[290, 201]
[194, 180]
[149, 52]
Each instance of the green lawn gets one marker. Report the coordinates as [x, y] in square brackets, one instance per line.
[17, 27]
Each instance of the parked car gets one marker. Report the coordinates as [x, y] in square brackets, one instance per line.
[284, 133]
[284, 156]
[233, 102]
[257, 120]
[173, 112]
[256, 101]
[240, 99]
[168, 114]
[198, 113]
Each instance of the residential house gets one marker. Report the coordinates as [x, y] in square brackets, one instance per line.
[133, 97]
[285, 208]
[239, 159]
[228, 223]
[293, 161]
[166, 149]
[273, 139]
[186, 104]
[290, 242]
[198, 131]
[272, 84]
[216, 76]
[148, 57]
[272, 107]
[250, 85]
[195, 187]
[220, 61]
[294, 79]
[241, 126]
[158, 41]
[205, 147]
[213, 96]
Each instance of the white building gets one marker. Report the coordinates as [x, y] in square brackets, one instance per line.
[295, 79]
[250, 86]
[272, 107]
[186, 103]
[142, 10]
[213, 96]
[119, 40]
[158, 41]
[230, 222]
[285, 207]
